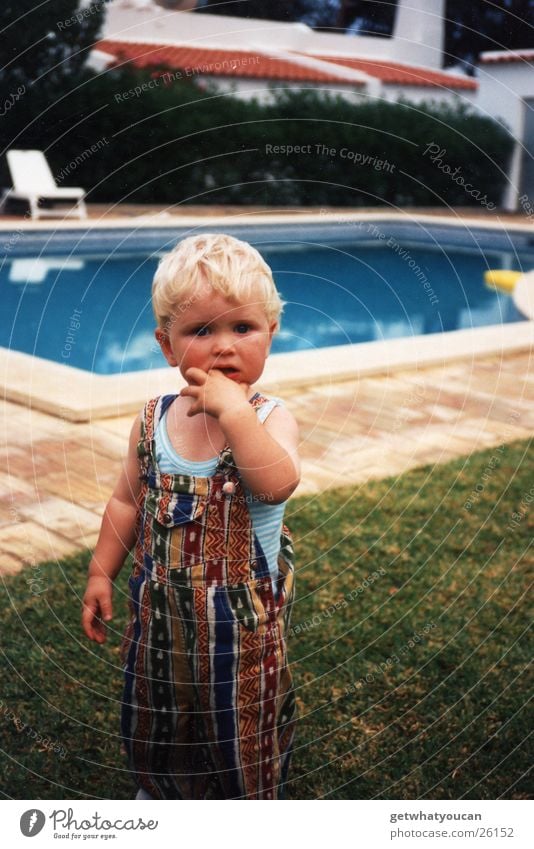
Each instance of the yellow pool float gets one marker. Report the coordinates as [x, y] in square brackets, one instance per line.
[500, 278]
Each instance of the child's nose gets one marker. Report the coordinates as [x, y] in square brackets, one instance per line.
[222, 342]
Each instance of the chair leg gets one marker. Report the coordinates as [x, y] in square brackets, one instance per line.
[81, 207]
[3, 199]
[34, 206]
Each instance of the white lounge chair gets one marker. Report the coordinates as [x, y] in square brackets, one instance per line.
[33, 181]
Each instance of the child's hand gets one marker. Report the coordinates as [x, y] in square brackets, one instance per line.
[213, 392]
[97, 607]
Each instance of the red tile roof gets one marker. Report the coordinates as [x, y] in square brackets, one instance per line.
[393, 73]
[492, 57]
[218, 63]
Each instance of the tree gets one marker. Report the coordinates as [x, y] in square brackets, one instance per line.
[274, 10]
[481, 25]
[366, 17]
[315, 13]
[470, 27]
[45, 46]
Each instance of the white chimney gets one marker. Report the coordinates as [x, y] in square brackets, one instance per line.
[419, 32]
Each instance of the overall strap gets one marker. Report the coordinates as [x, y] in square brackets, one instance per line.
[152, 413]
[266, 408]
[150, 416]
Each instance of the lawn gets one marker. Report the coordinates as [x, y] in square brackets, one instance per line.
[409, 647]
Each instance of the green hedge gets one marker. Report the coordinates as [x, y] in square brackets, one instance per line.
[176, 143]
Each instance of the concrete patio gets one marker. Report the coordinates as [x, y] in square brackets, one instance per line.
[59, 474]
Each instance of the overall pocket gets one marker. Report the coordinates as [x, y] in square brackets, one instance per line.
[170, 508]
[252, 604]
[167, 516]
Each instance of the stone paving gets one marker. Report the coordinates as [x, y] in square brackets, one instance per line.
[58, 475]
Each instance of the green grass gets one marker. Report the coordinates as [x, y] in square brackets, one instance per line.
[383, 715]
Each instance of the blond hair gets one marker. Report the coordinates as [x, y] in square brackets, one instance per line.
[232, 268]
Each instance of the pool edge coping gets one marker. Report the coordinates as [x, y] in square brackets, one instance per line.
[85, 396]
[250, 218]
[80, 396]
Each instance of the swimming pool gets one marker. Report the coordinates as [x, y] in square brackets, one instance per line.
[82, 298]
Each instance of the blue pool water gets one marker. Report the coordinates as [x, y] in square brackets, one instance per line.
[92, 310]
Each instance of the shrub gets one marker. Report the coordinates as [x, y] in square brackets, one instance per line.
[168, 141]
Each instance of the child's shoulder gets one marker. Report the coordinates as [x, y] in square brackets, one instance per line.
[273, 411]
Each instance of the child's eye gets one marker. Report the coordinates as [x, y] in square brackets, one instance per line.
[242, 327]
[203, 330]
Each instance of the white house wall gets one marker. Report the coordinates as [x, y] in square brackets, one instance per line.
[263, 90]
[419, 32]
[504, 90]
[424, 94]
[247, 34]
[501, 89]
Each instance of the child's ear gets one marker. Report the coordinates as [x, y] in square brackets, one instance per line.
[165, 345]
[273, 327]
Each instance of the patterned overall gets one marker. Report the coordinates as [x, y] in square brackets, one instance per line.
[208, 707]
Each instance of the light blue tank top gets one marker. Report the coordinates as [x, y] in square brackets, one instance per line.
[266, 518]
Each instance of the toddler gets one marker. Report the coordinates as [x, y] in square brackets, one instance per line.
[208, 708]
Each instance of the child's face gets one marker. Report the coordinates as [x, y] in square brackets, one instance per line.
[211, 332]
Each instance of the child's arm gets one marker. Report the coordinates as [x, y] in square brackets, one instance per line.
[117, 536]
[265, 454]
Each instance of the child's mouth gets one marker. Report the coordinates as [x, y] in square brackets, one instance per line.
[232, 373]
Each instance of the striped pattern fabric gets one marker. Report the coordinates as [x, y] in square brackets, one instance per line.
[208, 706]
[267, 519]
